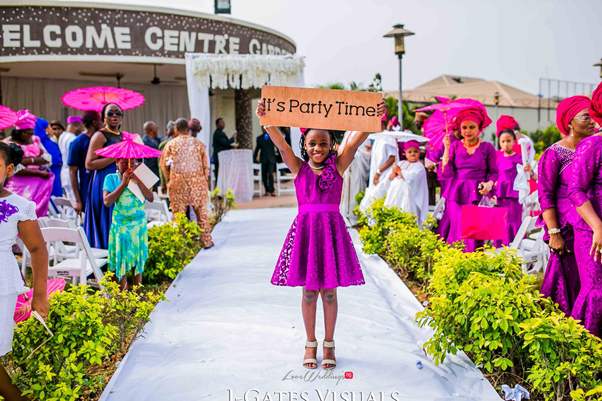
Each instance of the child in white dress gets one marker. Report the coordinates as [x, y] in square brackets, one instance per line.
[17, 216]
[408, 189]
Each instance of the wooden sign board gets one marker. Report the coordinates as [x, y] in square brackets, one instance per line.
[321, 108]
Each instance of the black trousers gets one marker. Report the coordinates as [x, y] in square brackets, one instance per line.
[267, 176]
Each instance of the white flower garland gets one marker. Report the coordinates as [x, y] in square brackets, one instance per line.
[246, 71]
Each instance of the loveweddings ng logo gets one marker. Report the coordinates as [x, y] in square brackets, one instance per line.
[311, 376]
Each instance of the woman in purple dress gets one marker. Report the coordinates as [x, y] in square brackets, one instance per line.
[318, 253]
[561, 279]
[470, 166]
[504, 187]
[585, 190]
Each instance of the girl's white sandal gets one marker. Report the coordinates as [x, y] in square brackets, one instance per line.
[329, 344]
[311, 344]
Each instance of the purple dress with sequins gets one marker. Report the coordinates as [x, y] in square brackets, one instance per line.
[465, 172]
[561, 279]
[318, 251]
[586, 184]
[506, 195]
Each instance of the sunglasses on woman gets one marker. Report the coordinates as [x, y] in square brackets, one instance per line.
[132, 164]
[112, 113]
[583, 118]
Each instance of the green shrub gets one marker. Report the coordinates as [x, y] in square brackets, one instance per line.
[88, 326]
[221, 204]
[378, 221]
[478, 300]
[128, 311]
[411, 251]
[565, 357]
[171, 247]
[57, 370]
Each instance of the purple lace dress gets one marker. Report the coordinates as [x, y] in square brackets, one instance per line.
[465, 172]
[561, 279]
[506, 195]
[318, 251]
[586, 184]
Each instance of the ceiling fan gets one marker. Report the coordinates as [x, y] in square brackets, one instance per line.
[156, 80]
[117, 76]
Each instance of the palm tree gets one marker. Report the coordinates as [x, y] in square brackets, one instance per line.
[336, 85]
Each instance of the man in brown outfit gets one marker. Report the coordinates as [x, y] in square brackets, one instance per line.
[186, 170]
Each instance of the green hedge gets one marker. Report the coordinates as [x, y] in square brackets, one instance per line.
[171, 247]
[483, 304]
[89, 327]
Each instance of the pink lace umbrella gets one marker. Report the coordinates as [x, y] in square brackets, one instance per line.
[128, 149]
[437, 125]
[96, 97]
[8, 117]
[23, 309]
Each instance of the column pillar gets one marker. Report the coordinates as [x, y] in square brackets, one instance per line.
[244, 118]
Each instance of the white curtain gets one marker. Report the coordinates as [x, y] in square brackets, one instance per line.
[198, 99]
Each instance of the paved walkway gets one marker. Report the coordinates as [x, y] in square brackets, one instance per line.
[226, 332]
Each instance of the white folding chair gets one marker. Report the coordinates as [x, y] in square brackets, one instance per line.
[60, 250]
[532, 250]
[257, 179]
[162, 195]
[281, 177]
[65, 208]
[78, 267]
[157, 213]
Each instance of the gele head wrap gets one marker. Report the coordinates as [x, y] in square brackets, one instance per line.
[410, 144]
[568, 109]
[476, 114]
[25, 120]
[194, 124]
[506, 122]
[595, 109]
[74, 119]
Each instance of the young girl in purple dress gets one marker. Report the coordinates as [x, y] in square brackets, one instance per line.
[318, 253]
[504, 187]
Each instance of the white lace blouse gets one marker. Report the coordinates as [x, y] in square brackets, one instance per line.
[13, 209]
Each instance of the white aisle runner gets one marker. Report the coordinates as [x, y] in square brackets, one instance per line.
[228, 334]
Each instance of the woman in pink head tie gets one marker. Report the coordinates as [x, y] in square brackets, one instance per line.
[318, 253]
[561, 280]
[585, 192]
[33, 179]
[470, 166]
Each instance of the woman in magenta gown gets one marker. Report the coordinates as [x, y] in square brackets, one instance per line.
[585, 190]
[561, 280]
[467, 164]
[318, 253]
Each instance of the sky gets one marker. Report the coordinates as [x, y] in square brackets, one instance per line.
[511, 41]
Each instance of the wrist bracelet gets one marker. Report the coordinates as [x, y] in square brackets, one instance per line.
[553, 231]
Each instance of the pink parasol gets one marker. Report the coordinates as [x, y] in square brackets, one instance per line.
[128, 149]
[23, 309]
[8, 117]
[96, 97]
[437, 126]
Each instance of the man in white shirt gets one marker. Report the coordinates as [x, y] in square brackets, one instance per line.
[74, 128]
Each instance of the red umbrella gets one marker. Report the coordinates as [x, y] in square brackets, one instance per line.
[8, 117]
[128, 149]
[437, 126]
[95, 98]
[23, 309]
